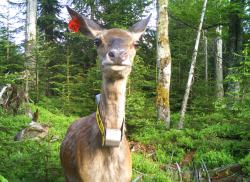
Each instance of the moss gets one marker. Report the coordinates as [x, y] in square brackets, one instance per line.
[164, 61]
[162, 96]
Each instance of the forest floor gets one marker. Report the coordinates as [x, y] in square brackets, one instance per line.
[161, 155]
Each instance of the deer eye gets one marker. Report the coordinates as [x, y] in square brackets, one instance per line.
[97, 42]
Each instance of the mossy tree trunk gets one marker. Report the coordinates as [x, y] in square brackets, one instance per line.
[163, 63]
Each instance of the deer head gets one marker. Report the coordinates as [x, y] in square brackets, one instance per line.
[115, 47]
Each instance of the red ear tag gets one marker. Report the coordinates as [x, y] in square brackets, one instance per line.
[74, 25]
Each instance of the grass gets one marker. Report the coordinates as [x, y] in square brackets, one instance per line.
[31, 160]
[218, 140]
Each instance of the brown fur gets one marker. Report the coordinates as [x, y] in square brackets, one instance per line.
[83, 157]
[94, 165]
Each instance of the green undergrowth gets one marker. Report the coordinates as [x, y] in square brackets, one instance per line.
[149, 170]
[217, 139]
[31, 160]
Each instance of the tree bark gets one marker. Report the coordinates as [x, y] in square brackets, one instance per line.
[68, 76]
[30, 63]
[235, 48]
[163, 63]
[8, 32]
[218, 64]
[205, 58]
[37, 83]
[191, 71]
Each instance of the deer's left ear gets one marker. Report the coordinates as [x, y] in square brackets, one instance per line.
[139, 28]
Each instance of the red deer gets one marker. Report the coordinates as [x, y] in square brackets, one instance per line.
[95, 148]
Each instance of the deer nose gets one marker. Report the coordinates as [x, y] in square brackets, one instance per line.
[118, 56]
[111, 54]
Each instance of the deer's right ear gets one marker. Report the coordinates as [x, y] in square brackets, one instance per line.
[87, 27]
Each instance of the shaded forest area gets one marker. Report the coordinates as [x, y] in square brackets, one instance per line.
[57, 73]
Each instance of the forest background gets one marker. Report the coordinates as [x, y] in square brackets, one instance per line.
[64, 78]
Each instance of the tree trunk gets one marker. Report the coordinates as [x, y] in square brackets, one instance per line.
[30, 63]
[8, 32]
[68, 76]
[235, 48]
[163, 63]
[218, 64]
[37, 82]
[205, 58]
[47, 80]
[191, 71]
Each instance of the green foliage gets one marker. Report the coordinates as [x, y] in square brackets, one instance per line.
[2, 179]
[70, 77]
[90, 88]
[136, 105]
[48, 21]
[121, 14]
[169, 153]
[151, 171]
[31, 160]
[215, 159]
[39, 159]
[10, 61]
[216, 138]
[246, 164]
[142, 77]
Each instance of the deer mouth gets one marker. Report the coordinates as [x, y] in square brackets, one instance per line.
[116, 66]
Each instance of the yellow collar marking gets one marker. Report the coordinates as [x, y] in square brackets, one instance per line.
[100, 125]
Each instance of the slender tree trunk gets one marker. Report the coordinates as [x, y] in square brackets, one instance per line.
[8, 32]
[30, 63]
[191, 71]
[205, 57]
[218, 64]
[179, 74]
[235, 48]
[47, 80]
[37, 82]
[68, 76]
[164, 63]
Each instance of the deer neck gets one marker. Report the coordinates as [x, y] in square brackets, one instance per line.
[112, 103]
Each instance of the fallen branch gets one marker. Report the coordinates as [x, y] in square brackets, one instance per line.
[205, 169]
[225, 171]
[138, 178]
[179, 171]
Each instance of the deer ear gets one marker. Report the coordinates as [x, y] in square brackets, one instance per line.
[87, 27]
[139, 28]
